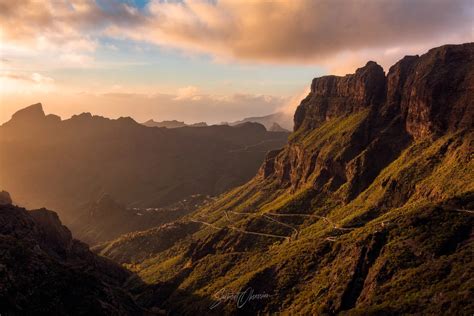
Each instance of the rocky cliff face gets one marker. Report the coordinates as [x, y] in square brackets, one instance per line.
[421, 97]
[435, 91]
[44, 270]
[333, 96]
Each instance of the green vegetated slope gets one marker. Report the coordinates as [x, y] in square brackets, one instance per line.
[368, 209]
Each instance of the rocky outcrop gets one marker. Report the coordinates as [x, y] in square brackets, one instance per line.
[5, 198]
[53, 235]
[437, 90]
[44, 270]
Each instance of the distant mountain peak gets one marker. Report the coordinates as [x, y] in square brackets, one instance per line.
[283, 119]
[32, 116]
[33, 111]
[277, 128]
[167, 124]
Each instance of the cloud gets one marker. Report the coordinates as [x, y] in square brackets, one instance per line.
[337, 34]
[74, 59]
[38, 78]
[34, 77]
[188, 93]
[67, 26]
[303, 31]
[20, 82]
[290, 106]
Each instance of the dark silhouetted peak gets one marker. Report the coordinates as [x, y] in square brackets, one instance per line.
[31, 118]
[126, 120]
[31, 113]
[5, 198]
[82, 116]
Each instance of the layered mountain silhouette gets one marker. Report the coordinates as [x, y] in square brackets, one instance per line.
[64, 164]
[172, 124]
[276, 122]
[281, 119]
[368, 210]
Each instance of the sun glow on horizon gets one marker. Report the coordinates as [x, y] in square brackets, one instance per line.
[203, 55]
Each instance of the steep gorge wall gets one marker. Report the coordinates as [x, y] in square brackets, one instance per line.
[422, 97]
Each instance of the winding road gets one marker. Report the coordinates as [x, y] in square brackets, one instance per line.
[268, 217]
[294, 236]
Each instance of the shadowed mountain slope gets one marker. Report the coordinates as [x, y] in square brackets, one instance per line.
[43, 270]
[64, 164]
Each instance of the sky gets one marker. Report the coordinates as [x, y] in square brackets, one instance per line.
[213, 61]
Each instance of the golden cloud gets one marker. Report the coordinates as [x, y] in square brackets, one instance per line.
[336, 33]
[301, 30]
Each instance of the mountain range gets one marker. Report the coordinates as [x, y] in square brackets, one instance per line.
[367, 210]
[172, 124]
[275, 122]
[66, 165]
[282, 120]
